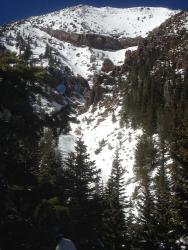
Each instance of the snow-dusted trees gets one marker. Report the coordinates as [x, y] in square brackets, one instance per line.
[155, 100]
[158, 218]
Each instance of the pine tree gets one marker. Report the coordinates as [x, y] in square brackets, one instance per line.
[49, 159]
[51, 212]
[23, 186]
[144, 164]
[132, 226]
[83, 176]
[27, 52]
[179, 172]
[48, 51]
[114, 217]
[20, 130]
[83, 172]
[168, 219]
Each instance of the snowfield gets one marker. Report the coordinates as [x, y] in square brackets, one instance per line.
[129, 22]
[102, 136]
[84, 61]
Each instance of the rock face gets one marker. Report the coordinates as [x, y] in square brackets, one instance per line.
[107, 65]
[129, 42]
[102, 84]
[163, 59]
[94, 40]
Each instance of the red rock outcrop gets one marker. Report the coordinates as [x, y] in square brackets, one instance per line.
[94, 40]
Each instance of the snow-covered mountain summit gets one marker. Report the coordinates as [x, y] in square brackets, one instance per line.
[129, 22]
[82, 37]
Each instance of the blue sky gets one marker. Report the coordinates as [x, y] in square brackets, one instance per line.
[12, 10]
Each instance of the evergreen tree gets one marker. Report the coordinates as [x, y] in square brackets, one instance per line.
[145, 162]
[27, 52]
[48, 52]
[30, 177]
[114, 217]
[51, 213]
[83, 176]
[49, 159]
[168, 218]
[166, 215]
[20, 130]
[179, 172]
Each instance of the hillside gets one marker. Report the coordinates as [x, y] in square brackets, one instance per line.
[67, 49]
[107, 21]
[106, 91]
[47, 51]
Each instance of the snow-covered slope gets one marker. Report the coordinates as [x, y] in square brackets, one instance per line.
[100, 127]
[82, 60]
[129, 22]
[102, 133]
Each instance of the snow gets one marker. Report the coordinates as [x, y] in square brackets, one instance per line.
[129, 22]
[102, 137]
[101, 133]
[43, 105]
[83, 61]
[67, 143]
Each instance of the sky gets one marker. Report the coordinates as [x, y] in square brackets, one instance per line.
[12, 10]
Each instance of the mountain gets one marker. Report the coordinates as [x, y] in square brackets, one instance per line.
[82, 37]
[164, 50]
[83, 19]
[66, 40]
[94, 119]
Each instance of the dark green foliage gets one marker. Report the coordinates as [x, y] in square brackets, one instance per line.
[179, 170]
[23, 188]
[144, 164]
[153, 87]
[51, 212]
[145, 158]
[155, 99]
[168, 221]
[159, 200]
[83, 179]
[40, 197]
[20, 130]
[115, 234]
[27, 52]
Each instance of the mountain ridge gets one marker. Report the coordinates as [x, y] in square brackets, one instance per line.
[87, 62]
[91, 19]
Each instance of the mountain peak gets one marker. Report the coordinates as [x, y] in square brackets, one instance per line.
[107, 21]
